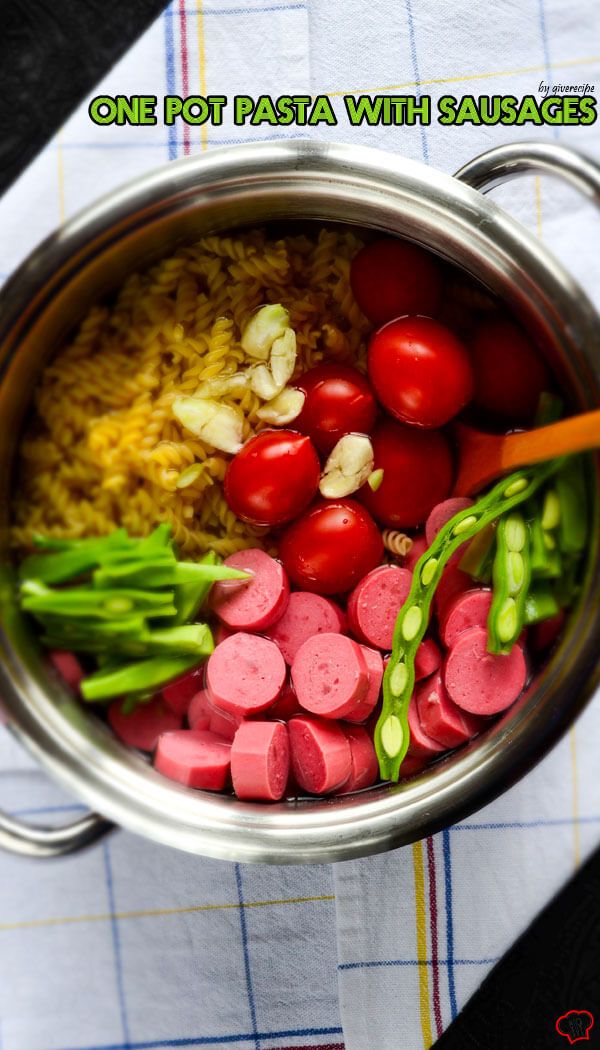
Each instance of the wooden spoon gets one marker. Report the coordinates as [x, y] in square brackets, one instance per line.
[484, 457]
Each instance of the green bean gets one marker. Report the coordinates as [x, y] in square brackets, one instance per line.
[80, 556]
[546, 562]
[511, 576]
[478, 559]
[392, 732]
[190, 596]
[572, 495]
[87, 602]
[163, 571]
[140, 677]
[540, 604]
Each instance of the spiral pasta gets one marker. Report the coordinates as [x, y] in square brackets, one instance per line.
[103, 448]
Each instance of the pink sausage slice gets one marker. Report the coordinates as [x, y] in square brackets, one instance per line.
[198, 713]
[254, 604]
[418, 548]
[245, 674]
[179, 693]
[427, 659]
[194, 757]
[68, 667]
[144, 725]
[453, 583]
[374, 662]
[442, 513]
[330, 676]
[364, 765]
[321, 756]
[467, 610]
[421, 744]
[286, 706]
[306, 615]
[411, 765]
[439, 716]
[481, 682]
[260, 760]
[374, 603]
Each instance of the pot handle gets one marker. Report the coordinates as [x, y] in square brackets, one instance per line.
[33, 840]
[506, 162]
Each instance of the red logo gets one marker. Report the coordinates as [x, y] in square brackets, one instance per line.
[575, 1025]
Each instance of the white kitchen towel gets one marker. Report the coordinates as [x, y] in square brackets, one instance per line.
[131, 944]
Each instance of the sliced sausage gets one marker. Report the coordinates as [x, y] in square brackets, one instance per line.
[68, 667]
[194, 757]
[364, 764]
[199, 711]
[179, 693]
[467, 610]
[374, 662]
[143, 726]
[330, 676]
[418, 548]
[286, 706]
[453, 583]
[441, 514]
[306, 614]
[254, 604]
[439, 716]
[411, 765]
[223, 724]
[480, 682]
[427, 659]
[421, 744]
[245, 674]
[374, 604]
[221, 632]
[260, 760]
[320, 752]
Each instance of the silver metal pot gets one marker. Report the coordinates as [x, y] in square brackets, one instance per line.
[226, 189]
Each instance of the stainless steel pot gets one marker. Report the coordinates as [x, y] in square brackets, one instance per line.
[229, 188]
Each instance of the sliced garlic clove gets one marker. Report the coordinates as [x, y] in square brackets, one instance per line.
[263, 328]
[348, 466]
[283, 408]
[222, 385]
[218, 425]
[283, 358]
[268, 380]
[262, 382]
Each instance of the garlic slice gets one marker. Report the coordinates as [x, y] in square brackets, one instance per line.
[218, 425]
[283, 408]
[264, 327]
[268, 380]
[221, 385]
[348, 466]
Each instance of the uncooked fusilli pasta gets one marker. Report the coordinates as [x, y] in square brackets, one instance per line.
[104, 448]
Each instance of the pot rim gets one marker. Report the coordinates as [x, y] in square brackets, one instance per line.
[122, 787]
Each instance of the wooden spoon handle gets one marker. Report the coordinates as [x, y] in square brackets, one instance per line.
[559, 439]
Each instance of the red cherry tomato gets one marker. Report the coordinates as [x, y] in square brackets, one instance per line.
[331, 547]
[421, 372]
[272, 478]
[392, 277]
[338, 401]
[417, 473]
[509, 373]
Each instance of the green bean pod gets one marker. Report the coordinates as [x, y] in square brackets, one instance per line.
[392, 734]
[572, 496]
[511, 577]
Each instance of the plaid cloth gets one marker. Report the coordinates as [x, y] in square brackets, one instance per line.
[134, 945]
